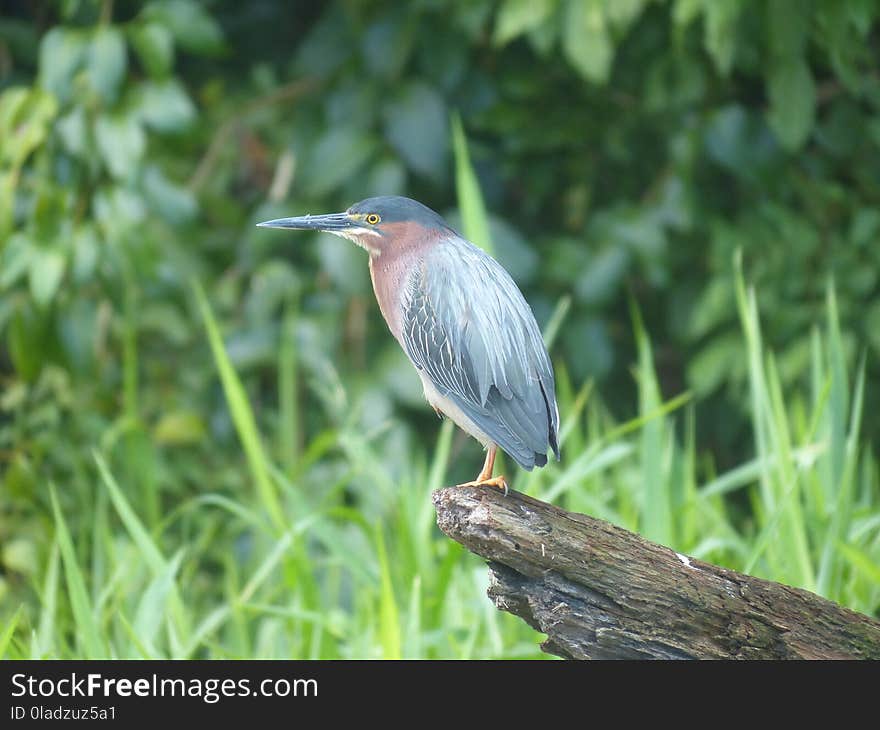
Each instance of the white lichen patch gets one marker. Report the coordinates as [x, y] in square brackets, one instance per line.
[685, 560]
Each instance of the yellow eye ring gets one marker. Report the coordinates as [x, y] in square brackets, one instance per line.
[373, 219]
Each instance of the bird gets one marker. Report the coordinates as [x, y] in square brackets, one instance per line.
[462, 322]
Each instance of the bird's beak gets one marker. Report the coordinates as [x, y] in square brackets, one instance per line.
[331, 223]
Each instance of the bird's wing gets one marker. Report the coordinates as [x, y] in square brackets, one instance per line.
[468, 328]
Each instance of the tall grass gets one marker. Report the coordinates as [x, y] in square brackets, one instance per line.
[323, 544]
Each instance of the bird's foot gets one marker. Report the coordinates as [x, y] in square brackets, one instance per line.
[498, 482]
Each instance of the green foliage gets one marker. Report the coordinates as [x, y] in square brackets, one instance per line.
[686, 191]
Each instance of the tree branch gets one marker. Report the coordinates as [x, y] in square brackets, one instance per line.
[601, 592]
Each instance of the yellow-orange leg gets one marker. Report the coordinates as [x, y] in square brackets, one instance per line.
[485, 478]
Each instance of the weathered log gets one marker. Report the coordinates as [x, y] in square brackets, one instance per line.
[601, 592]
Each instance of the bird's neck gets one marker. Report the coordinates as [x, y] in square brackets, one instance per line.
[390, 272]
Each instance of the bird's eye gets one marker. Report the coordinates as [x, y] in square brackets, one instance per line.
[373, 219]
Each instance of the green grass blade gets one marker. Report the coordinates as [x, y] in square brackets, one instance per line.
[151, 554]
[242, 416]
[793, 541]
[288, 404]
[830, 566]
[572, 417]
[839, 399]
[46, 631]
[273, 559]
[9, 631]
[389, 620]
[474, 219]
[440, 461]
[141, 649]
[673, 404]
[93, 646]
[657, 512]
[152, 607]
[135, 527]
[861, 562]
[554, 324]
[414, 632]
[586, 465]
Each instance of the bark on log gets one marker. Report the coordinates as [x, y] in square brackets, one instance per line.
[601, 592]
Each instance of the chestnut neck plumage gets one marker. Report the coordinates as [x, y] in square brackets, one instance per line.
[408, 245]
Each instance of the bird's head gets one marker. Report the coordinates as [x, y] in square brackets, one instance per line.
[375, 224]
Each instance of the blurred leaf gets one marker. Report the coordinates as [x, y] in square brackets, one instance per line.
[387, 44]
[327, 45]
[343, 264]
[514, 252]
[21, 37]
[74, 133]
[741, 142]
[20, 555]
[520, 16]
[686, 11]
[190, 24]
[601, 275]
[713, 307]
[585, 39]
[46, 270]
[86, 249]
[107, 61]
[25, 115]
[788, 27]
[872, 325]
[590, 350]
[121, 142]
[387, 177]
[166, 320]
[26, 342]
[865, 227]
[175, 203]
[164, 106]
[62, 51]
[118, 208]
[154, 46]
[722, 20]
[50, 214]
[709, 368]
[792, 96]
[416, 125]
[179, 428]
[273, 285]
[15, 258]
[77, 324]
[337, 156]
[622, 13]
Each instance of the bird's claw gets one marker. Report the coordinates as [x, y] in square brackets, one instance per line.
[498, 482]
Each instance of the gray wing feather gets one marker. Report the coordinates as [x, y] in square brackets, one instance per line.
[468, 327]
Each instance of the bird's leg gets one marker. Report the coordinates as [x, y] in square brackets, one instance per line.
[485, 478]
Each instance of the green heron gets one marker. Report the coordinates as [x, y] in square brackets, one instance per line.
[463, 323]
